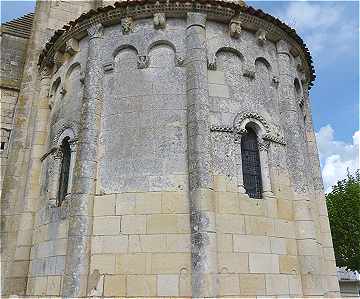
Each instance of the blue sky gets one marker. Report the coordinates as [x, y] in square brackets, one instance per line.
[331, 31]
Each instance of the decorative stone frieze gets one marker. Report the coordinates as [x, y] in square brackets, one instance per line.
[239, 120]
[184, 172]
[127, 25]
[273, 138]
[264, 145]
[143, 61]
[235, 28]
[159, 20]
[224, 129]
[261, 36]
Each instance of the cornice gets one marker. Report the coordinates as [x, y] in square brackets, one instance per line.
[221, 11]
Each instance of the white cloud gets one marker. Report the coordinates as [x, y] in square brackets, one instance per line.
[322, 26]
[336, 156]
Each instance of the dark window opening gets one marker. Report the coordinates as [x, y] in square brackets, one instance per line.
[65, 168]
[251, 164]
[2, 145]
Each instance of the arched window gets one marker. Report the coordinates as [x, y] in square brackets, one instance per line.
[65, 170]
[251, 164]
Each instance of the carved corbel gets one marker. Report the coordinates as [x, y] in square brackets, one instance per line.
[235, 28]
[211, 63]
[300, 68]
[143, 61]
[261, 36]
[127, 25]
[159, 20]
[95, 31]
[72, 46]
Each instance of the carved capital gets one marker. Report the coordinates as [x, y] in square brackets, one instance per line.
[143, 61]
[63, 91]
[211, 63]
[179, 60]
[261, 36]
[72, 145]
[275, 81]
[82, 77]
[72, 46]
[45, 73]
[127, 25]
[283, 47]
[159, 20]
[235, 28]
[108, 66]
[196, 19]
[95, 31]
[301, 101]
[249, 74]
[58, 153]
[264, 145]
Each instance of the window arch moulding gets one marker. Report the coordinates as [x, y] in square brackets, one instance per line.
[54, 161]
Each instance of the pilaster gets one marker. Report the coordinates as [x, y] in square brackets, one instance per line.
[203, 235]
[324, 237]
[307, 245]
[84, 177]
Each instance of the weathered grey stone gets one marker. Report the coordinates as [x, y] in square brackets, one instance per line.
[155, 115]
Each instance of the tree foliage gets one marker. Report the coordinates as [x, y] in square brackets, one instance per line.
[343, 204]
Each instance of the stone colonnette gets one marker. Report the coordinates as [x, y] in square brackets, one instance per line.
[155, 101]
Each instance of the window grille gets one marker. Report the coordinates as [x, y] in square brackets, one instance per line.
[251, 164]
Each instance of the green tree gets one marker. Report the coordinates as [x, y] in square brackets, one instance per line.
[343, 204]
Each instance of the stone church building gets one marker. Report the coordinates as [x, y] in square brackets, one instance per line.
[159, 148]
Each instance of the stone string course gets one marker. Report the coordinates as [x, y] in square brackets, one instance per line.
[154, 98]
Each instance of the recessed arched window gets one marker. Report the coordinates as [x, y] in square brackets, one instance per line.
[251, 164]
[65, 170]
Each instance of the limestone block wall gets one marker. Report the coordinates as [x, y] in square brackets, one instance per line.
[49, 243]
[257, 250]
[13, 50]
[141, 233]
[21, 188]
[154, 109]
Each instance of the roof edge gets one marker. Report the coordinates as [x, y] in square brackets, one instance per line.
[216, 9]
